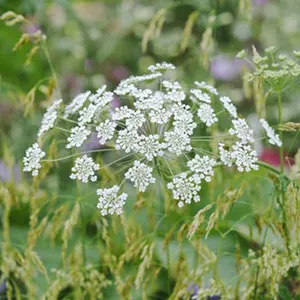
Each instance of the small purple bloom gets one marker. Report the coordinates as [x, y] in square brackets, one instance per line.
[8, 174]
[225, 68]
[260, 2]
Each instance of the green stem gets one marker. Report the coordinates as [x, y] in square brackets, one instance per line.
[83, 234]
[47, 54]
[282, 193]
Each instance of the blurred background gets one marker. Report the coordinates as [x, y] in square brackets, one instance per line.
[92, 43]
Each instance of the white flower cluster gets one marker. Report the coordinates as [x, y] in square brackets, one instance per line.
[206, 114]
[228, 105]
[49, 117]
[185, 189]
[151, 131]
[202, 166]
[32, 159]
[84, 169]
[141, 176]
[273, 137]
[110, 202]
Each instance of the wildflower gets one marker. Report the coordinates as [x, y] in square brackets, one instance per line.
[206, 114]
[121, 113]
[183, 119]
[78, 135]
[32, 159]
[141, 175]
[110, 202]
[150, 146]
[161, 116]
[76, 104]
[49, 117]
[225, 156]
[185, 189]
[227, 103]
[204, 86]
[273, 137]
[135, 120]
[161, 67]
[198, 95]
[84, 169]
[128, 140]
[242, 130]
[244, 157]
[202, 166]
[177, 141]
[106, 131]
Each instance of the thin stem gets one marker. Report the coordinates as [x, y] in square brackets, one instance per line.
[45, 49]
[282, 193]
[75, 154]
[83, 233]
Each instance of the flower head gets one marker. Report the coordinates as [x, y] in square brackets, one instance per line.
[76, 104]
[244, 157]
[202, 166]
[141, 175]
[273, 137]
[32, 159]
[242, 131]
[49, 117]
[206, 114]
[110, 202]
[84, 169]
[78, 135]
[106, 131]
[227, 103]
[185, 189]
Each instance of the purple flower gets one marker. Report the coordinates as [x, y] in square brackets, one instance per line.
[225, 68]
[260, 2]
[8, 174]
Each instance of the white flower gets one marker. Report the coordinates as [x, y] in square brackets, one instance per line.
[76, 104]
[273, 137]
[127, 85]
[32, 159]
[175, 93]
[242, 130]
[128, 140]
[106, 131]
[49, 117]
[87, 114]
[202, 166]
[185, 189]
[141, 175]
[161, 116]
[84, 169]
[122, 113]
[106, 98]
[110, 202]
[197, 95]
[206, 114]
[225, 156]
[152, 101]
[177, 141]
[228, 105]
[161, 67]
[124, 89]
[135, 120]
[78, 135]
[245, 157]
[150, 146]
[95, 98]
[204, 86]
[183, 119]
